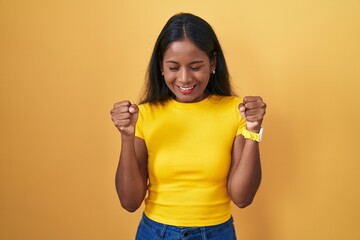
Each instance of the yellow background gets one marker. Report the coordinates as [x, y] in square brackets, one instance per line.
[64, 63]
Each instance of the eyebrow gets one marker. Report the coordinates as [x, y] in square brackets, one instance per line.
[194, 62]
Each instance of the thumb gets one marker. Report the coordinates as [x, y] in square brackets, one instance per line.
[242, 110]
[133, 108]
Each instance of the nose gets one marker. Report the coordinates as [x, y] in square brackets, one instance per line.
[184, 76]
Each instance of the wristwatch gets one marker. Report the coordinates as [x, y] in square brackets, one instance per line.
[251, 135]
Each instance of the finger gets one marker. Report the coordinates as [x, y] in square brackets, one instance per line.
[254, 118]
[119, 110]
[252, 99]
[259, 112]
[254, 105]
[252, 112]
[122, 123]
[242, 110]
[120, 116]
[133, 108]
[124, 103]
[121, 107]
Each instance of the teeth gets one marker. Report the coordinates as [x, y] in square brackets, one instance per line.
[186, 89]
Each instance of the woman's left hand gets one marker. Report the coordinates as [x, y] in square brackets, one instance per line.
[253, 110]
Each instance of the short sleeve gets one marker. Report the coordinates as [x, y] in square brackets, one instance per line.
[241, 124]
[139, 124]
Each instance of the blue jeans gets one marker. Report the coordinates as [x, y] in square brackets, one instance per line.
[151, 230]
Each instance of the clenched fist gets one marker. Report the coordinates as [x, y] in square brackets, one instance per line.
[253, 110]
[125, 115]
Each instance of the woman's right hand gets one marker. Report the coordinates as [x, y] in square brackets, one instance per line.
[125, 115]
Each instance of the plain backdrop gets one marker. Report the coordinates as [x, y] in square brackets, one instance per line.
[63, 64]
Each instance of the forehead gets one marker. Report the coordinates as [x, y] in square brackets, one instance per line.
[184, 50]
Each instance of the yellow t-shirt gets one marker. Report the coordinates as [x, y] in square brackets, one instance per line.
[189, 148]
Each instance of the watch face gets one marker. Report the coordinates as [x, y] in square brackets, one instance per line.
[260, 134]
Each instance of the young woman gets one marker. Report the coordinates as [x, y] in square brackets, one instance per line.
[191, 146]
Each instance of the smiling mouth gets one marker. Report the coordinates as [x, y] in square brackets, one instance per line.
[186, 88]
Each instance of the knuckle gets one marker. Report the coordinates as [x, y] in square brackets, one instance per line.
[122, 103]
[126, 103]
[116, 105]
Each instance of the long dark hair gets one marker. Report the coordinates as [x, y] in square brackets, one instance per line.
[197, 30]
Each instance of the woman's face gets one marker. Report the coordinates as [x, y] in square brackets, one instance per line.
[187, 71]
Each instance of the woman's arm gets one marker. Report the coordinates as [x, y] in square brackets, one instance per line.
[131, 175]
[245, 171]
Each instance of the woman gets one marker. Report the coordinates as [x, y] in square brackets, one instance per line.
[191, 144]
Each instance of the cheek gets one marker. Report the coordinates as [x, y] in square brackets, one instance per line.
[169, 80]
[203, 77]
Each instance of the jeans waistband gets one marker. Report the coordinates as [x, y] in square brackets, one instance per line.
[176, 230]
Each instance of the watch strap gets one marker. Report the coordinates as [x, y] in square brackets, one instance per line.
[251, 135]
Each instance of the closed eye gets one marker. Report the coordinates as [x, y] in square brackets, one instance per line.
[195, 68]
[173, 68]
